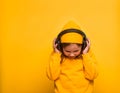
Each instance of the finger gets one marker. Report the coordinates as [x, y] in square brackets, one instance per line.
[54, 42]
[88, 41]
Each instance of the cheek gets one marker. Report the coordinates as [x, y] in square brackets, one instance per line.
[77, 53]
[65, 53]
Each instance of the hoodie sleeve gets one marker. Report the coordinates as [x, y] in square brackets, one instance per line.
[90, 65]
[53, 67]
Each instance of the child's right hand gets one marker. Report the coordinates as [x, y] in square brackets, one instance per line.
[55, 46]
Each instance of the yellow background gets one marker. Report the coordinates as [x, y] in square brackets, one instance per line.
[27, 28]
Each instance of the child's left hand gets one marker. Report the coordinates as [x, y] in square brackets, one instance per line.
[87, 47]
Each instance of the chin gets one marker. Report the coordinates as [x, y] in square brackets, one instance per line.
[71, 57]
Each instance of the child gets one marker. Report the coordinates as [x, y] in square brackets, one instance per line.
[72, 65]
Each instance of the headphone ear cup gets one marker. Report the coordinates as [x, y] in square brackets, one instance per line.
[58, 44]
[84, 44]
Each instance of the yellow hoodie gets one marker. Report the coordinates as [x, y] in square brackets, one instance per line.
[72, 75]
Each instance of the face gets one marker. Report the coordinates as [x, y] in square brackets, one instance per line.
[72, 50]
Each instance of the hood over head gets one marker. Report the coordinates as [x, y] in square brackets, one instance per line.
[71, 37]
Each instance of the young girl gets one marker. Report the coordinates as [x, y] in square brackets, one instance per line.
[72, 65]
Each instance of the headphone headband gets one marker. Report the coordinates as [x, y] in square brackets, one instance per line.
[58, 40]
[70, 31]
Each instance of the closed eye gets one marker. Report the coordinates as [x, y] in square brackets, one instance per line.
[76, 51]
[70, 51]
[67, 51]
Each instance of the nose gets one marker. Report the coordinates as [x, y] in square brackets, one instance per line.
[72, 55]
